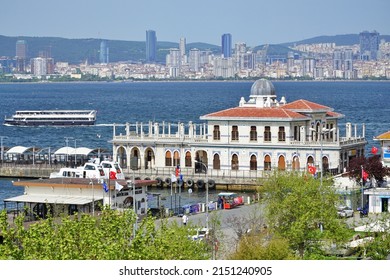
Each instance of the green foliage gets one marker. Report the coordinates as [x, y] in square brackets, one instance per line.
[110, 236]
[262, 246]
[296, 207]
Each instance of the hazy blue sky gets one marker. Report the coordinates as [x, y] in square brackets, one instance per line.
[254, 22]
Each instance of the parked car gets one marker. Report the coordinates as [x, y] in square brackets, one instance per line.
[201, 233]
[344, 211]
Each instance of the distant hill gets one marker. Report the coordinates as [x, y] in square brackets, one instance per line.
[79, 50]
[340, 40]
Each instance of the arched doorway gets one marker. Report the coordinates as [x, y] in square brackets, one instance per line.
[234, 163]
[121, 157]
[295, 163]
[281, 163]
[216, 162]
[253, 162]
[310, 161]
[188, 159]
[325, 165]
[134, 158]
[149, 158]
[267, 163]
[201, 161]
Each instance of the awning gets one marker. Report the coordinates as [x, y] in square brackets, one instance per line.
[54, 199]
[72, 151]
[21, 150]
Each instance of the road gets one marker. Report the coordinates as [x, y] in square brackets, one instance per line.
[233, 222]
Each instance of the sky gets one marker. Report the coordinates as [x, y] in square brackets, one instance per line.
[254, 22]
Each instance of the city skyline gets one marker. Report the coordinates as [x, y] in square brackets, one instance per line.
[250, 21]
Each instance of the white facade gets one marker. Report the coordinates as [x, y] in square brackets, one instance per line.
[262, 134]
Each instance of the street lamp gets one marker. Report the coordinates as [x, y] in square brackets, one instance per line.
[322, 133]
[93, 196]
[2, 147]
[207, 193]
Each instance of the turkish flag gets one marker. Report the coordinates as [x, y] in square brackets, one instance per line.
[112, 175]
[312, 169]
[177, 171]
[374, 150]
[364, 175]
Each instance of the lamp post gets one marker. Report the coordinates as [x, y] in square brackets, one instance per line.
[2, 147]
[93, 196]
[322, 133]
[207, 193]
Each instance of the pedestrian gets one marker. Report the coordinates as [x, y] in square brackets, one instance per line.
[185, 219]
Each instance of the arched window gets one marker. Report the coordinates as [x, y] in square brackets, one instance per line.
[176, 158]
[253, 163]
[216, 162]
[281, 163]
[216, 133]
[295, 163]
[267, 134]
[188, 159]
[168, 158]
[267, 162]
[235, 162]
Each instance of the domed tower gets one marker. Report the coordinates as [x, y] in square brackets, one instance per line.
[262, 95]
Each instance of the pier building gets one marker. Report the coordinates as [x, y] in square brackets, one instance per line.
[240, 145]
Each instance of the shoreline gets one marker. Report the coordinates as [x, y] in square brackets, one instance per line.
[191, 81]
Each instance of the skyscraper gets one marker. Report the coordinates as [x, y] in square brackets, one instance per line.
[103, 52]
[182, 47]
[369, 45]
[227, 45]
[151, 45]
[21, 49]
[21, 55]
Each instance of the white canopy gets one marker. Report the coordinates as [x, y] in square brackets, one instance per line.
[72, 151]
[55, 199]
[20, 150]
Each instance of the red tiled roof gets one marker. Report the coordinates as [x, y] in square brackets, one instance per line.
[252, 112]
[304, 105]
[334, 114]
[383, 136]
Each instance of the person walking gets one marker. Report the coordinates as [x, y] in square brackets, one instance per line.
[185, 219]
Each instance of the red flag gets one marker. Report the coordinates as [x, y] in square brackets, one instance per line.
[312, 169]
[364, 175]
[177, 171]
[112, 175]
[374, 150]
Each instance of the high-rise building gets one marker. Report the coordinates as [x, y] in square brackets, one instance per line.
[227, 45]
[182, 48]
[104, 52]
[194, 60]
[21, 55]
[369, 45]
[151, 45]
[21, 49]
[173, 62]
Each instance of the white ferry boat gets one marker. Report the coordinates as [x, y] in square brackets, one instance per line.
[103, 170]
[52, 118]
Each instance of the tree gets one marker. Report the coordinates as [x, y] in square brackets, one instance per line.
[109, 236]
[371, 165]
[262, 246]
[298, 207]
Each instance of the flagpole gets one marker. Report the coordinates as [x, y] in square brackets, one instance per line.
[362, 187]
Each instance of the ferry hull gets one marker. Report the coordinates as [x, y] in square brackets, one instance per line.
[47, 123]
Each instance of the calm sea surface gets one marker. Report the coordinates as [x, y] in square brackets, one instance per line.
[360, 102]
